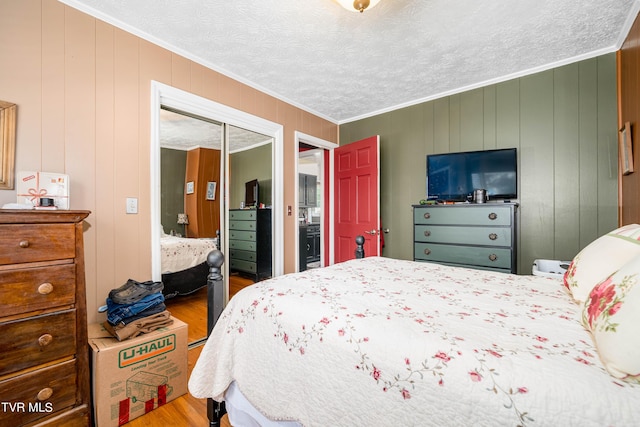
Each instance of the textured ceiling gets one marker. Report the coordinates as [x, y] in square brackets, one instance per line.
[344, 66]
[181, 132]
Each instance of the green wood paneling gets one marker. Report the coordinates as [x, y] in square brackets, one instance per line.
[248, 165]
[173, 166]
[607, 144]
[587, 177]
[471, 123]
[566, 109]
[562, 121]
[489, 115]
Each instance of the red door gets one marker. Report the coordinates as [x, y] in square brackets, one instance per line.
[357, 197]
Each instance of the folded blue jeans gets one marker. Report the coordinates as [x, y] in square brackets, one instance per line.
[117, 312]
[158, 308]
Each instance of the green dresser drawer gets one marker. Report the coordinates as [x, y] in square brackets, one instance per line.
[245, 245]
[243, 214]
[242, 265]
[488, 236]
[243, 255]
[467, 255]
[242, 225]
[463, 214]
[242, 235]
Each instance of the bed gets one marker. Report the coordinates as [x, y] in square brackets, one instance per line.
[379, 341]
[184, 264]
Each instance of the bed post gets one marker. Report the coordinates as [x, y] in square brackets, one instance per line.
[359, 247]
[215, 304]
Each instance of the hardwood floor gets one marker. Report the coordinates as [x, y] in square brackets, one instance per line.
[192, 309]
[187, 410]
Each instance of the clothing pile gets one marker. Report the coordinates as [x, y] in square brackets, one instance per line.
[136, 308]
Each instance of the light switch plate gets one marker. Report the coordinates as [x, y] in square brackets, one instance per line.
[132, 205]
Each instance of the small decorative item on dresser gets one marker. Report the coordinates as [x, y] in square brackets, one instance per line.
[34, 186]
[44, 358]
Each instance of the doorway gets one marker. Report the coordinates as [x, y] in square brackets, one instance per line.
[313, 201]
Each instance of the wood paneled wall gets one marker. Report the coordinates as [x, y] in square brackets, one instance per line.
[82, 88]
[203, 166]
[629, 111]
[563, 123]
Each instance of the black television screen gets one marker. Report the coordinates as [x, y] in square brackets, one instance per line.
[454, 176]
[251, 193]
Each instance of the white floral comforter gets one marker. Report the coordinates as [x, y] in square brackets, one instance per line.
[180, 253]
[380, 341]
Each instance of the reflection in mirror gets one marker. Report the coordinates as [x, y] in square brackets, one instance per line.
[7, 144]
[192, 202]
[190, 158]
[250, 208]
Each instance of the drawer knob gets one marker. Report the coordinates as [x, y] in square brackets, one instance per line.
[24, 243]
[427, 233]
[427, 251]
[45, 394]
[493, 216]
[45, 340]
[45, 288]
[493, 257]
[493, 236]
[427, 215]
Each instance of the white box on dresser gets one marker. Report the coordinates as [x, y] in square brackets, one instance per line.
[44, 359]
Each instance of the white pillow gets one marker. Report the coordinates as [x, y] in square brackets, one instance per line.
[600, 259]
[612, 314]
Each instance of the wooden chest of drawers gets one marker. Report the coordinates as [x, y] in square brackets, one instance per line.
[44, 363]
[481, 236]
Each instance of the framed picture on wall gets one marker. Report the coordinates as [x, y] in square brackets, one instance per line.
[626, 150]
[190, 187]
[211, 190]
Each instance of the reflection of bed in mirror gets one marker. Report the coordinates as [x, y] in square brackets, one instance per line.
[184, 264]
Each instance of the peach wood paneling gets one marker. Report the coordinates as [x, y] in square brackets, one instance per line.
[83, 93]
[104, 215]
[53, 85]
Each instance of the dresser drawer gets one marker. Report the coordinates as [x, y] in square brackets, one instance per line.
[243, 255]
[76, 417]
[242, 225]
[242, 265]
[468, 255]
[36, 340]
[245, 245]
[468, 215]
[242, 235]
[244, 214]
[31, 289]
[36, 242]
[45, 391]
[488, 236]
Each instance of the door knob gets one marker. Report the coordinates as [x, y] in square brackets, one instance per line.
[372, 232]
[385, 230]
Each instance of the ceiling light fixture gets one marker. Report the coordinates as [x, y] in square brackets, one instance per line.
[357, 5]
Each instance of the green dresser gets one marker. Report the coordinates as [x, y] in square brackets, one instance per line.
[480, 236]
[250, 242]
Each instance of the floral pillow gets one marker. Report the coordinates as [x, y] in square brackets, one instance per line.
[600, 259]
[612, 314]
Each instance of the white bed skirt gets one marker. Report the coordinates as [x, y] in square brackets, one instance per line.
[242, 413]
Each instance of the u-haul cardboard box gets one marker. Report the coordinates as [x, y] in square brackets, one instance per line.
[136, 376]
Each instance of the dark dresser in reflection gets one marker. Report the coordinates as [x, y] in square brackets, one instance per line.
[250, 242]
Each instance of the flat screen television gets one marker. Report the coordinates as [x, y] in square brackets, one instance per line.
[251, 193]
[454, 176]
